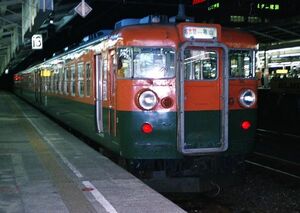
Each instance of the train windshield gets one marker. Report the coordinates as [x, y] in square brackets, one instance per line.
[200, 64]
[241, 63]
[146, 62]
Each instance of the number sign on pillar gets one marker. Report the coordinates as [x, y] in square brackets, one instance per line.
[37, 42]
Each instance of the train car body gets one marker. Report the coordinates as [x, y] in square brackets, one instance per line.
[171, 99]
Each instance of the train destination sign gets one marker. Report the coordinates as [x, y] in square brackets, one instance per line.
[192, 32]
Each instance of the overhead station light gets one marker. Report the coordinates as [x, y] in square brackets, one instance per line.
[289, 55]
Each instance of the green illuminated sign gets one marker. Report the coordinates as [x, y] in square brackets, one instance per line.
[267, 6]
[214, 6]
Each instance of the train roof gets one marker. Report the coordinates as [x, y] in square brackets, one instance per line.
[238, 39]
[166, 31]
[143, 32]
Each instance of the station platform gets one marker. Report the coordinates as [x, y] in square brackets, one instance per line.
[44, 168]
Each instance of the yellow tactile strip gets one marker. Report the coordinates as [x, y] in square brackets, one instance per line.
[69, 191]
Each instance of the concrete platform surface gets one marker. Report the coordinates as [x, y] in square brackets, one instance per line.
[43, 168]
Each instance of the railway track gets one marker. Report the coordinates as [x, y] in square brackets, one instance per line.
[277, 152]
[275, 164]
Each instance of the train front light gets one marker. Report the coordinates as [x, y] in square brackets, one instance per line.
[147, 128]
[147, 100]
[247, 98]
[246, 125]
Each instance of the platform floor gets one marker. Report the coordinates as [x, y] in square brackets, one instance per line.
[43, 168]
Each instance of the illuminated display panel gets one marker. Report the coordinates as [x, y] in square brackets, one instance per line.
[191, 32]
[197, 2]
[267, 6]
[45, 73]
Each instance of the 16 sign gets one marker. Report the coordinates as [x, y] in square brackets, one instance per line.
[37, 42]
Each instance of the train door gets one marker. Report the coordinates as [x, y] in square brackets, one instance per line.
[99, 94]
[203, 98]
[38, 87]
[105, 97]
[112, 92]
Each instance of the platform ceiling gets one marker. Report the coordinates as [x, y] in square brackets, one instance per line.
[68, 27]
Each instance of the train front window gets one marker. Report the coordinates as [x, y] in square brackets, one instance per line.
[200, 64]
[146, 63]
[241, 63]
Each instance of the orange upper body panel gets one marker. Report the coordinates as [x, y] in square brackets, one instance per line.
[127, 91]
[168, 35]
[149, 35]
[236, 87]
[237, 39]
[172, 36]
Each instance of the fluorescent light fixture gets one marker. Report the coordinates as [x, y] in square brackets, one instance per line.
[289, 54]
[284, 49]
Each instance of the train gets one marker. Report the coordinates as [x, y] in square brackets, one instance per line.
[176, 102]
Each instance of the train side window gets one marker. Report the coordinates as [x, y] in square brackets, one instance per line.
[56, 71]
[104, 80]
[88, 79]
[124, 63]
[66, 80]
[51, 88]
[241, 64]
[61, 80]
[55, 80]
[80, 85]
[72, 80]
[200, 64]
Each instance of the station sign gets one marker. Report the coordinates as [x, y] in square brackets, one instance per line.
[83, 9]
[37, 42]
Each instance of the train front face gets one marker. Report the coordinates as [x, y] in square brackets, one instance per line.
[173, 101]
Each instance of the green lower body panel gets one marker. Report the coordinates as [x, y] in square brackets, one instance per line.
[241, 141]
[160, 144]
[202, 128]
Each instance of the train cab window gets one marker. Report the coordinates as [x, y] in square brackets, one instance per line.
[146, 62]
[72, 80]
[200, 64]
[80, 86]
[153, 63]
[88, 79]
[241, 63]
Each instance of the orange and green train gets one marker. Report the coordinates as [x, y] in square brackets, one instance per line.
[176, 100]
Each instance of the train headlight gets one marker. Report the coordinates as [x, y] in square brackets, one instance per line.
[247, 98]
[147, 100]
